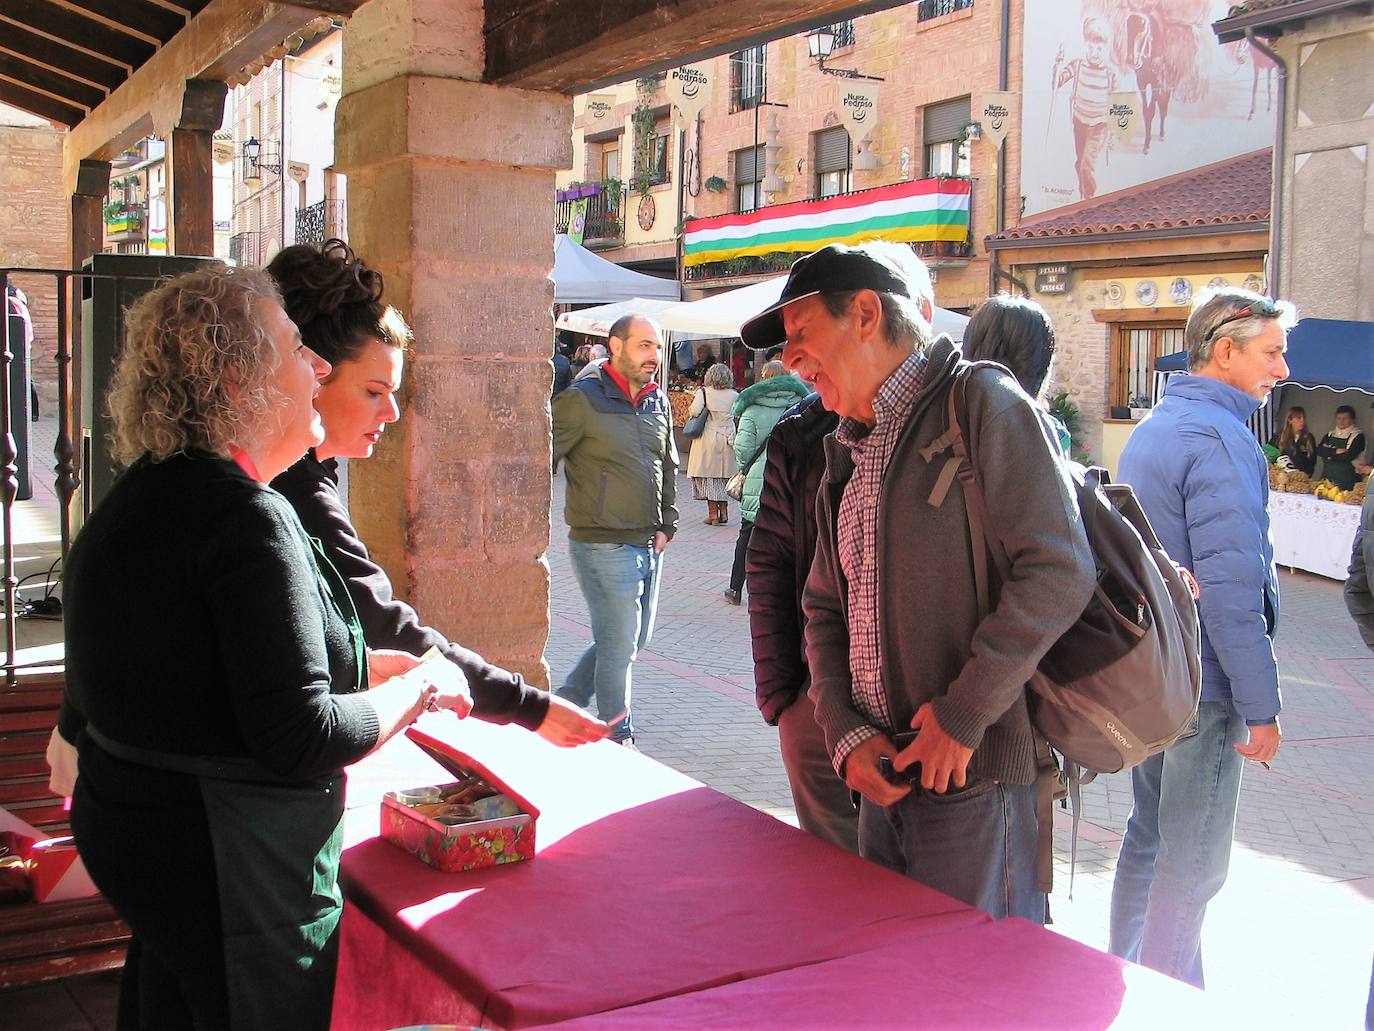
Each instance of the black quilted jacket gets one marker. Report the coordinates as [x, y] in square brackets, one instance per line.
[780, 552]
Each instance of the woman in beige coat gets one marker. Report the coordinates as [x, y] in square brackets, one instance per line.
[712, 459]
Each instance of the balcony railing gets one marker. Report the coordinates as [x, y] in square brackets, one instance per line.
[245, 248]
[321, 221]
[928, 9]
[124, 223]
[605, 222]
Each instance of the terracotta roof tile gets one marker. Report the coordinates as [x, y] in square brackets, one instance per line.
[1229, 192]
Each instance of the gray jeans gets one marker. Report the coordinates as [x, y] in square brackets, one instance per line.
[824, 805]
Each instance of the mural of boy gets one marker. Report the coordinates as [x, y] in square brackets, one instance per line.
[1089, 103]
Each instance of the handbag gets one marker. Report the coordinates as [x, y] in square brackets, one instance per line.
[695, 425]
[734, 486]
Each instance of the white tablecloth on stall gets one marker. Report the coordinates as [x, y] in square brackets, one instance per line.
[1313, 534]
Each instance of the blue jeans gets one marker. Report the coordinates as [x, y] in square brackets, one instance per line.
[620, 583]
[1177, 847]
[977, 845]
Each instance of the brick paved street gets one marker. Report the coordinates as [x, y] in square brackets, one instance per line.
[1293, 929]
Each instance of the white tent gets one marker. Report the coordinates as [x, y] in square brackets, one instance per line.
[581, 277]
[723, 314]
[598, 321]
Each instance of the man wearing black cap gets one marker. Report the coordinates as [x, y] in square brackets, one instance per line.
[893, 637]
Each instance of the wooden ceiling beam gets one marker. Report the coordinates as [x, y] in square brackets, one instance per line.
[224, 37]
[76, 63]
[79, 30]
[39, 103]
[189, 6]
[138, 15]
[49, 81]
[572, 45]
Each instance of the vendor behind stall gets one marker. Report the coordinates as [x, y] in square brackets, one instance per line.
[1295, 443]
[1339, 449]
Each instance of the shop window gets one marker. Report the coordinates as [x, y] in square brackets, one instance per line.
[832, 161]
[947, 152]
[1135, 346]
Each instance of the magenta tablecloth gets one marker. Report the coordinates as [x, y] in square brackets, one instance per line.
[1005, 975]
[646, 884]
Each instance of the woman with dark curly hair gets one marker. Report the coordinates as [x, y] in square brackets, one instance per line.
[336, 300]
[217, 680]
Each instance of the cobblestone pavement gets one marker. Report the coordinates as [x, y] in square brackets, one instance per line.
[1293, 930]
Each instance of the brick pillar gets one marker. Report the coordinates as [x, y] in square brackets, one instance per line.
[451, 193]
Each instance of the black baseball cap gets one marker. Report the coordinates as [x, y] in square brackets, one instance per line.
[832, 269]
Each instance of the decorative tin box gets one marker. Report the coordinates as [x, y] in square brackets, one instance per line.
[473, 821]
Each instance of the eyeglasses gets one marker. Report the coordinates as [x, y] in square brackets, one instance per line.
[1264, 308]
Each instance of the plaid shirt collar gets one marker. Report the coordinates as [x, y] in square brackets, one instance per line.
[892, 402]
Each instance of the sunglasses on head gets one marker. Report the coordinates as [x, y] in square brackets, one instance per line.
[1265, 308]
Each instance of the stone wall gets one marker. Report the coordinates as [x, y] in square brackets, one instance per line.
[1082, 352]
[33, 229]
[1327, 253]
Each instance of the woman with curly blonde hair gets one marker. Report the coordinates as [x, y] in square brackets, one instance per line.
[217, 679]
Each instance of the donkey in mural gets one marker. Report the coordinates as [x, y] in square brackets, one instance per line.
[1159, 42]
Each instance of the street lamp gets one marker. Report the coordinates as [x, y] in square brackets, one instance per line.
[253, 150]
[820, 42]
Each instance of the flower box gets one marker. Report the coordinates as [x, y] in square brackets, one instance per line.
[468, 823]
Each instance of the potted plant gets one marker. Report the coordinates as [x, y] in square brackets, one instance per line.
[1140, 406]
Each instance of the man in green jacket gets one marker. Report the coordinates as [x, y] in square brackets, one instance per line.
[613, 431]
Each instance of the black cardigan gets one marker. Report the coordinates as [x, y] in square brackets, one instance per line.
[498, 695]
[781, 548]
[196, 624]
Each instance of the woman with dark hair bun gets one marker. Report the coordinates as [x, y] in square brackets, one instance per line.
[336, 300]
[1016, 332]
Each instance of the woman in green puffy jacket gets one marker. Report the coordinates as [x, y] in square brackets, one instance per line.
[758, 410]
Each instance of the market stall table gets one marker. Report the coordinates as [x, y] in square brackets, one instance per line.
[1312, 534]
[1004, 975]
[646, 884]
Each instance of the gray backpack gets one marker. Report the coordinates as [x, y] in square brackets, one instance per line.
[1124, 681]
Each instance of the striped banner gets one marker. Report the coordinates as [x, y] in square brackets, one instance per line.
[911, 212]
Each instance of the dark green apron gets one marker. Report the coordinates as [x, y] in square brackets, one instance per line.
[276, 845]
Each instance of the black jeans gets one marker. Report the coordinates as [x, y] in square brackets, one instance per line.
[741, 550]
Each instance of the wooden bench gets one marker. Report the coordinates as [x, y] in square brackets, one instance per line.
[50, 940]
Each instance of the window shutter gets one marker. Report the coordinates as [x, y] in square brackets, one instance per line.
[944, 121]
[749, 165]
[832, 150]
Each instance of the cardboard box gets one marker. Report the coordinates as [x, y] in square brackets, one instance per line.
[422, 831]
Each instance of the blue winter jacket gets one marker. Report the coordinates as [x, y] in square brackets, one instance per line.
[1204, 484]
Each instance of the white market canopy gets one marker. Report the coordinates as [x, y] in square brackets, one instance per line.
[722, 314]
[598, 321]
[581, 277]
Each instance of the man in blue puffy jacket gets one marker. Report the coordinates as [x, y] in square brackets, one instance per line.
[1203, 482]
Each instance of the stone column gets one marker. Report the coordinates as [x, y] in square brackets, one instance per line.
[451, 195]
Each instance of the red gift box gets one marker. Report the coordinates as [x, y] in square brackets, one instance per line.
[56, 871]
[465, 846]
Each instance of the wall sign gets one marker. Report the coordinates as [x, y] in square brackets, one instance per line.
[1052, 279]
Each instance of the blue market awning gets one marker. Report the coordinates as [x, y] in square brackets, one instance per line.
[1321, 353]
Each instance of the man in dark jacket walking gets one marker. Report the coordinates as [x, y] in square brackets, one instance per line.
[781, 547]
[893, 636]
[613, 430]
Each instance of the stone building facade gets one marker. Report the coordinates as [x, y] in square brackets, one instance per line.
[931, 58]
[33, 229]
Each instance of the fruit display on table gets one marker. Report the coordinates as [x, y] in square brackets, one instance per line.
[1289, 481]
[1328, 491]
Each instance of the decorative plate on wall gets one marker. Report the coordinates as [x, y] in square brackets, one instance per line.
[1146, 292]
[647, 212]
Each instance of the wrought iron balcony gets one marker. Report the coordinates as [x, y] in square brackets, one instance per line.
[245, 248]
[124, 223]
[321, 221]
[604, 225]
[928, 9]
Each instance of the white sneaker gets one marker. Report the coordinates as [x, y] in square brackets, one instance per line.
[629, 743]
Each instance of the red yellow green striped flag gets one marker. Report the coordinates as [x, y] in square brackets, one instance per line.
[910, 212]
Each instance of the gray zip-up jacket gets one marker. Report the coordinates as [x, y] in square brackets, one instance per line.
[934, 649]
